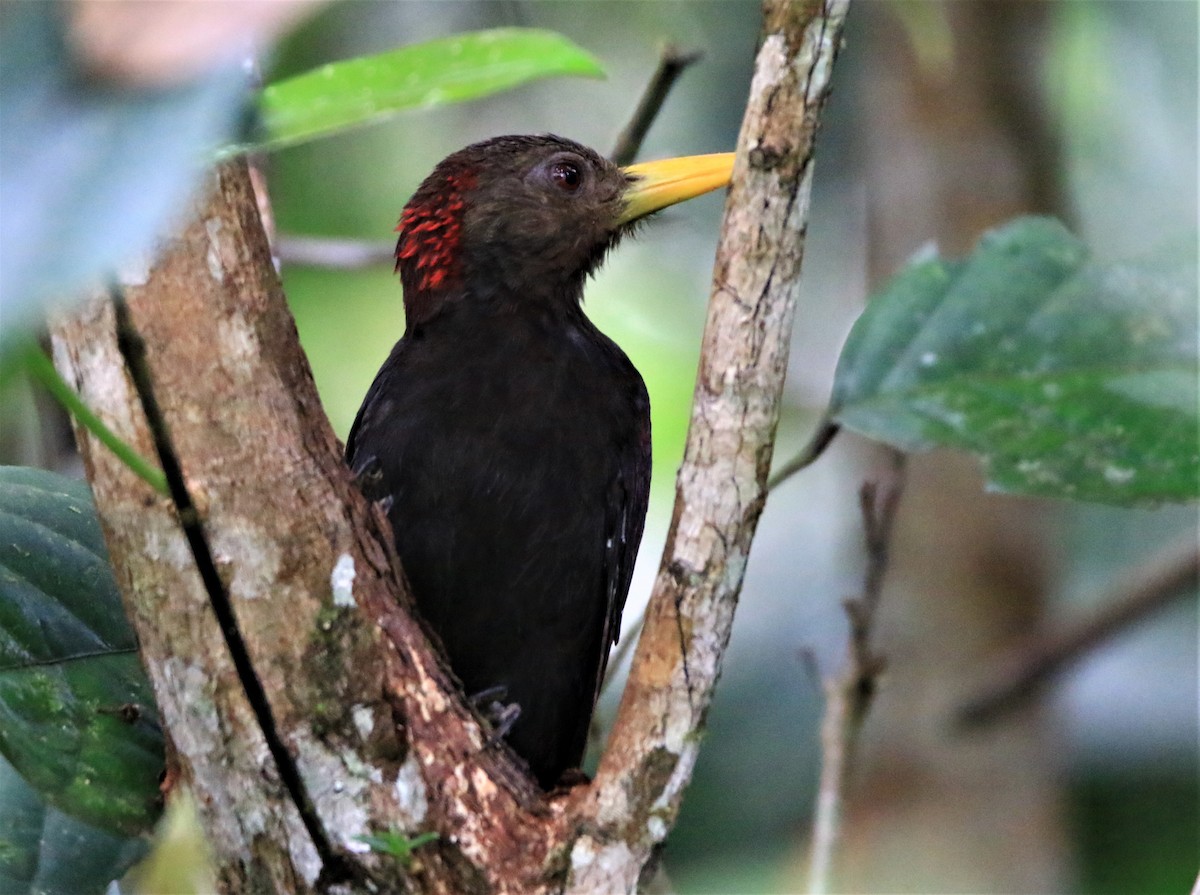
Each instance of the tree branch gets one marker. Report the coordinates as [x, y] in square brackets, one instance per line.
[313, 590]
[1031, 664]
[333, 867]
[333, 252]
[721, 484]
[849, 696]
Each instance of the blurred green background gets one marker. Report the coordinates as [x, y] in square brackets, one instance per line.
[1120, 81]
[1093, 791]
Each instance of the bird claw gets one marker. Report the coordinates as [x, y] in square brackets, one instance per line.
[500, 715]
[368, 475]
[502, 718]
[488, 696]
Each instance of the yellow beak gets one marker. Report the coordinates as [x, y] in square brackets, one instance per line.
[658, 184]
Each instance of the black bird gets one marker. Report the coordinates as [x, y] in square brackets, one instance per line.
[508, 437]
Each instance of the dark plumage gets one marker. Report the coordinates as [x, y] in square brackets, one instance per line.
[510, 437]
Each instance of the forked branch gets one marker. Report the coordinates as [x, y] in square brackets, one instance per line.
[364, 707]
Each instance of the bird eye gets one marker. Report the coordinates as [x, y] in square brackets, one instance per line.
[566, 176]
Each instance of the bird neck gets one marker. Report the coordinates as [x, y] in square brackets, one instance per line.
[490, 306]
[490, 284]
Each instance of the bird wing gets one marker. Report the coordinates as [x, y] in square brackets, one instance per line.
[365, 465]
[352, 459]
[628, 501]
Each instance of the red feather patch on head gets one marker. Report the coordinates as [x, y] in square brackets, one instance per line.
[431, 229]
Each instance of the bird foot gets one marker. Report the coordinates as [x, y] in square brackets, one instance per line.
[368, 472]
[502, 718]
[481, 700]
[368, 475]
[500, 715]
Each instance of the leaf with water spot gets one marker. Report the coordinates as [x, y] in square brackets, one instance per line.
[77, 718]
[342, 95]
[47, 852]
[1068, 377]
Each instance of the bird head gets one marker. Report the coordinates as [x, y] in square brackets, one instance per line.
[524, 219]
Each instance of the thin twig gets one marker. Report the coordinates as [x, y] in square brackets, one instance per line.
[333, 252]
[671, 63]
[42, 369]
[848, 697]
[1030, 665]
[820, 440]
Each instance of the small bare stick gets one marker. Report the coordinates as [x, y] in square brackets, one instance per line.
[1038, 659]
[820, 440]
[848, 697]
[332, 252]
[671, 63]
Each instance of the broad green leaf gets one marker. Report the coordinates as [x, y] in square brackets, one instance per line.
[77, 718]
[1068, 377]
[342, 95]
[46, 852]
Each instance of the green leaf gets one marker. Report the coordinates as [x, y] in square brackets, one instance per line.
[342, 95]
[46, 852]
[42, 369]
[1068, 377]
[77, 717]
[396, 844]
